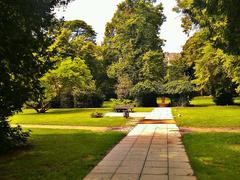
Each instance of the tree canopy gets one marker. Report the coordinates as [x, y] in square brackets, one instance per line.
[219, 21]
[133, 46]
[24, 26]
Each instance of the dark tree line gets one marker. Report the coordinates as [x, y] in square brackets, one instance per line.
[23, 28]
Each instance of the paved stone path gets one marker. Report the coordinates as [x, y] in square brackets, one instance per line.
[157, 114]
[120, 114]
[148, 152]
[160, 114]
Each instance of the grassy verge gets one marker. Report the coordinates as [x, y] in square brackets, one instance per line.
[202, 101]
[74, 116]
[212, 116]
[214, 156]
[80, 116]
[58, 154]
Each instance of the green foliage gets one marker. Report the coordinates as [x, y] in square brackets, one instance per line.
[208, 64]
[146, 93]
[68, 80]
[219, 20]
[123, 87]
[180, 92]
[77, 39]
[24, 27]
[153, 66]
[89, 99]
[121, 102]
[71, 77]
[132, 44]
[211, 75]
[179, 88]
[12, 137]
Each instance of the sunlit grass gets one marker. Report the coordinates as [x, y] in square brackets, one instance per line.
[214, 156]
[205, 114]
[202, 101]
[212, 116]
[58, 154]
[74, 116]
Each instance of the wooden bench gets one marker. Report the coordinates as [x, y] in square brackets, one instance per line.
[122, 108]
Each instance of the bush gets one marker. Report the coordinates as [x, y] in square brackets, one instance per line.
[146, 93]
[223, 99]
[12, 137]
[97, 115]
[180, 92]
[89, 100]
[121, 102]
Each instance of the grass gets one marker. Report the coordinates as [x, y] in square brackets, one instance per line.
[74, 116]
[58, 154]
[212, 116]
[80, 116]
[214, 156]
[202, 101]
[206, 114]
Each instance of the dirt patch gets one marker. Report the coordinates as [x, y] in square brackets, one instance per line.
[184, 130]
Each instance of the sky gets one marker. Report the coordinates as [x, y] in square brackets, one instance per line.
[98, 12]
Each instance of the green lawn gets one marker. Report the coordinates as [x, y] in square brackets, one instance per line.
[211, 116]
[205, 114]
[58, 154]
[214, 156]
[202, 101]
[80, 116]
[74, 116]
[207, 101]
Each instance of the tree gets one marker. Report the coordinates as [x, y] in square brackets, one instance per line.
[123, 87]
[70, 78]
[78, 39]
[211, 75]
[133, 45]
[23, 29]
[180, 92]
[146, 93]
[220, 19]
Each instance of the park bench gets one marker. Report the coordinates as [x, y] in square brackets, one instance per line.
[122, 108]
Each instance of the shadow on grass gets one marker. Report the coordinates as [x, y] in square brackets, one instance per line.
[58, 154]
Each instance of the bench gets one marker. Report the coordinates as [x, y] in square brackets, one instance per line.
[122, 108]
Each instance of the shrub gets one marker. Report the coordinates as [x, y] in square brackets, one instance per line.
[97, 115]
[146, 93]
[89, 100]
[12, 137]
[223, 98]
[121, 102]
[180, 92]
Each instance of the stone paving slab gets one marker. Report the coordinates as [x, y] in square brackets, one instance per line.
[148, 152]
[160, 114]
[134, 115]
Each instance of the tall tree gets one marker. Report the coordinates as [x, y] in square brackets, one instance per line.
[220, 18]
[78, 39]
[23, 29]
[134, 48]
